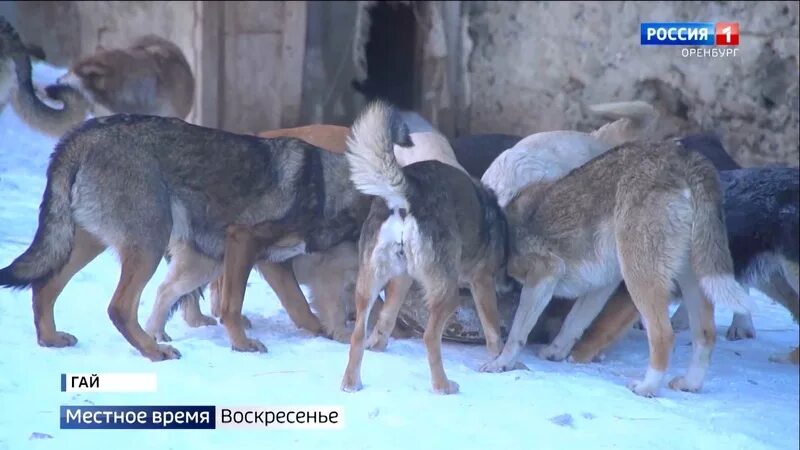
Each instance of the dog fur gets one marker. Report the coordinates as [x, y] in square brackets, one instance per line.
[761, 212]
[151, 76]
[432, 223]
[185, 186]
[15, 61]
[330, 275]
[327, 273]
[645, 213]
[548, 155]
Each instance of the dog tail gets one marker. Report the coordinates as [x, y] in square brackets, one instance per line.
[711, 257]
[631, 121]
[52, 243]
[374, 169]
[27, 105]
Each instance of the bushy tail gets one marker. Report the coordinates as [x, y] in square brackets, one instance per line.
[711, 257]
[52, 243]
[631, 121]
[374, 169]
[28, 106]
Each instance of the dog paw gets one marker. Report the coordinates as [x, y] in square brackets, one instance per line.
[447, 388]
[202, 321]
[497, 366]
[162, 353]
[552, 353]
[682, 384]
[250, 345]
[352, 383]
[342, 336]
[59, 340]
[783, 358]
[377, 342]
[639, 387]
[160, 336]
[736, 333]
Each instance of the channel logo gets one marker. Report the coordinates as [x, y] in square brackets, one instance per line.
[690, 33]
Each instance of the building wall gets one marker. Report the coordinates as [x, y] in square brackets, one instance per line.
[535, 65]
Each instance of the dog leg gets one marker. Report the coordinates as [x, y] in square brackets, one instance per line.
[85, 248]
[781, 288]
[483, 291]
[792, 358]
[368, 285]
[441, 308]
[240, 255]
[215, 295]
[536, 294]
[616, 319]
[188, 270]
[282, 280]
[586, 309]
[680, 319]
[652, 302]
[190, 310]
[395, 293]
[137, 269]
[701, 321]
[741, 328]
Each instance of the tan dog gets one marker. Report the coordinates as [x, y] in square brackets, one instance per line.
[151, 76]
[429, 221]
[646, 213]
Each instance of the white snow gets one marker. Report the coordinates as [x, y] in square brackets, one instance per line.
[747, 402]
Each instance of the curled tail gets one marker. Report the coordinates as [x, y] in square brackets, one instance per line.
[711, 257]
[28, 106]
[374, 169]
[632, 121]
[52, 243]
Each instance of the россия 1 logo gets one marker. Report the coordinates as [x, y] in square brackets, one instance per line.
[688, 34]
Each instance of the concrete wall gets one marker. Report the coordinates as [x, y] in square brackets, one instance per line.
[536, 64]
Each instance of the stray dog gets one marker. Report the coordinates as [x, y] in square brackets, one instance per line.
[15, 58]
[710, 146]
[762, 216]
[329, 274]
[151, 77]
[545, 156]
[548, 155]
[430, 221]
[645, 213]
[186, 186]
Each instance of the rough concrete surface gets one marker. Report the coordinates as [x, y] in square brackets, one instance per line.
[537, 65]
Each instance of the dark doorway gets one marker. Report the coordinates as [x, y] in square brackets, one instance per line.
[390, 54]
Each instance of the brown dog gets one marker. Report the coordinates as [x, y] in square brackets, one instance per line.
[326, 273]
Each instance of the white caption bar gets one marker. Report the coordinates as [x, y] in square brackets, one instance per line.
[109, 382]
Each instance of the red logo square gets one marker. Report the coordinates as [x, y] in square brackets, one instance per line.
[726, 33]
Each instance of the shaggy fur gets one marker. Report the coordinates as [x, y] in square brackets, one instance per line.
[647, 213]
[432, 223]
[185, 186]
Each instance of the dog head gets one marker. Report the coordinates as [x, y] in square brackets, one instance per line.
[97, 77]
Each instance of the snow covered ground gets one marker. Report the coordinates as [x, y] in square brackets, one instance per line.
[747, 402]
